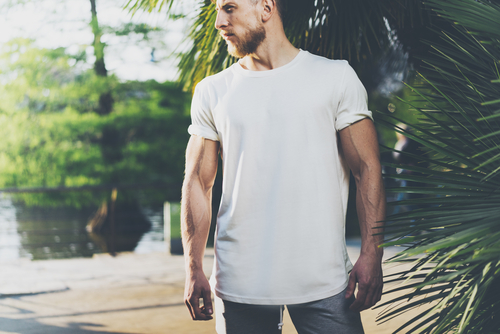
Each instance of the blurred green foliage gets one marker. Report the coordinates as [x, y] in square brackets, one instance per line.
[395, 106]
[52, 134]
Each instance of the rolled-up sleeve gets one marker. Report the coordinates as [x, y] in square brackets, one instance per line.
[353, 105]
[202, 120]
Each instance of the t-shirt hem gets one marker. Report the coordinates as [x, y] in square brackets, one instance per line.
[202, 132]
[352, 118]
[281, 301]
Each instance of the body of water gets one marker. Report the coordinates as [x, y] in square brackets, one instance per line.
[52, 233]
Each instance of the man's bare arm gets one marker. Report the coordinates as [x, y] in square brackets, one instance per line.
[360, 148]
[196, 214]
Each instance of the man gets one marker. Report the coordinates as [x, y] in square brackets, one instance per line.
[288, 126]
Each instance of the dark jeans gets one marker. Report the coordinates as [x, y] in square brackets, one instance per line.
[329, 315]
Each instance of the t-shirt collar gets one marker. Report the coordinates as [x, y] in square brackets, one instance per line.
[240, 70]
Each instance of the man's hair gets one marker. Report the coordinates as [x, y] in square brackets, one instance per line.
[280, 4]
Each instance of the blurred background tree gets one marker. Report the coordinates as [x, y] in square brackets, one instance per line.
[75, 126]
[53, 133]
[70, 123]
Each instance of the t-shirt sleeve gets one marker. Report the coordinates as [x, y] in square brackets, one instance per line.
[353, 105]
[202, 121]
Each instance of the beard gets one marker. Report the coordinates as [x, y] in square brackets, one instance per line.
[248, 44]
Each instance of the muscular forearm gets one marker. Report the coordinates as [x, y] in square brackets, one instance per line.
[370, 203]
[196, 215]
[196, 211]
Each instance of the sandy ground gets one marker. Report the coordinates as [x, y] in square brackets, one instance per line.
[130, 293]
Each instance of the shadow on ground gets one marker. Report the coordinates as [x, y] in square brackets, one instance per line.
[32, 326]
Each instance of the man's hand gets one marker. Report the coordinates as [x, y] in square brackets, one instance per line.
[367, 273]
[197, 287]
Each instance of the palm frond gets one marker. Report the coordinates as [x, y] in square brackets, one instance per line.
[148, 5]
[453, 238]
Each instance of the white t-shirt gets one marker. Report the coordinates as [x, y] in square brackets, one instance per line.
[281, 223]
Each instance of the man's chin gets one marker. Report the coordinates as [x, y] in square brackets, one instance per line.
[233, 51]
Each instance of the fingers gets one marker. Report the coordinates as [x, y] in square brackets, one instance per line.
[199, 310]
[196, 288]
[377, 294]
[190, 309]
[371, 293]
[196, 310]
[359, 302]
[368, 295]
[207, 303]
[351, 285]
[193, 305]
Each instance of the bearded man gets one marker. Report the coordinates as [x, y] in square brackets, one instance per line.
[288, 125]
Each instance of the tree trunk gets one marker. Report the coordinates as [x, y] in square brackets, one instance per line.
[105, 99]
[99, 66]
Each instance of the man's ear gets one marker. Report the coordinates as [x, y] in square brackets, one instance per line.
[269, 8]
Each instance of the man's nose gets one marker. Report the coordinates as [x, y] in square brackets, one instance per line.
[221, 21]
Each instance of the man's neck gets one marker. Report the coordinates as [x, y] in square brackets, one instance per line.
[270, 55]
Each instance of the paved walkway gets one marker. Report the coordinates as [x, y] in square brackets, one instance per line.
[130, 293]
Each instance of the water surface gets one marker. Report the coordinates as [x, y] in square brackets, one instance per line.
[51, 233]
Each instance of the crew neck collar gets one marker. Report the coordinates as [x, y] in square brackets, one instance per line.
[239, 69]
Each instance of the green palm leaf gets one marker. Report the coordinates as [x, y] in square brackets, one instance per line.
[453, 239]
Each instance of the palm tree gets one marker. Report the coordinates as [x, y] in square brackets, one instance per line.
[453, 240]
